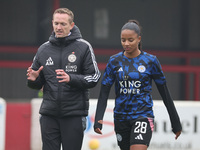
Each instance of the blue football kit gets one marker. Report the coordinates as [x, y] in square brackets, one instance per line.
[133, 86]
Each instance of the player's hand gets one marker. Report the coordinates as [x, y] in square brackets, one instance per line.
[32, 75]
[62, 75]
[97, 130]
[178, 134]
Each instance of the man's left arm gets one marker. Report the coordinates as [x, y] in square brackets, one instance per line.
[90, 72]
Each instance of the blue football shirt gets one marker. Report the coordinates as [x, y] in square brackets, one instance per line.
[133, 84]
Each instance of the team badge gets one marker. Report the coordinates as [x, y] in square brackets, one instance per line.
[141, 68]
[72, 57]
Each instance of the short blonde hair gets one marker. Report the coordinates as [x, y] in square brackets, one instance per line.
[65, 11]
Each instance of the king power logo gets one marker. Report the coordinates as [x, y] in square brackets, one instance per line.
[49, 61]
[130, 87]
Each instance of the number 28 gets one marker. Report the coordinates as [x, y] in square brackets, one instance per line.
[141, 127]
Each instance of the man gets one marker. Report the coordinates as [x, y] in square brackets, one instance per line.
[66, 68]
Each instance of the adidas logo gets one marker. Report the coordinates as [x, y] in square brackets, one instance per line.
[139, 137]
[49, 61]
[120, 69]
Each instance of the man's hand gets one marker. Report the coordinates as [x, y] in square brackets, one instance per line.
[32, 75]
[62, 75]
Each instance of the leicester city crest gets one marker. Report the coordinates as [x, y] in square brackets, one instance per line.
[72, 57]
[141, 68]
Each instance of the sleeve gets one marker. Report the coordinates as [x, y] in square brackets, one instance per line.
[167, 99]
[160, 81]
[157, 73]
[101, 105]
[108, 77]
[107, 82]
[39, 82]
[90, 72]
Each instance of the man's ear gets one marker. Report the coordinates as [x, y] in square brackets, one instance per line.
[72, 25]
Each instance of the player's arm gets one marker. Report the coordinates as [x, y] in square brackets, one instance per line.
[107, 82]
[160, 81]
[101, 107]
[174, 118]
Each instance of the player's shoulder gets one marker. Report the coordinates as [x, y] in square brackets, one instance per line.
[115, 56]
[148, 55]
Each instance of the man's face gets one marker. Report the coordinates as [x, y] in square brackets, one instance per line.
[61, 25]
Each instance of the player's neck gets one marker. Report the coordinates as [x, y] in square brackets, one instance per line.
[132, 54]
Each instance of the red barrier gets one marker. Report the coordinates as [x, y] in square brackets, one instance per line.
[15, 64]
[178, 68]
[18, 49]
[18, 124]
[186, 68]
[56, 4]
[158, 53]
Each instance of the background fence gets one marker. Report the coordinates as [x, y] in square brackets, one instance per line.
[170, 30]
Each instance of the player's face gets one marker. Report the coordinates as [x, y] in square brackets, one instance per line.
[130, 40]
[61, 25]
